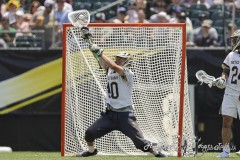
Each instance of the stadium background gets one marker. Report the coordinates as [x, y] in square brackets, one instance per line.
[31, 119]
[33, 123]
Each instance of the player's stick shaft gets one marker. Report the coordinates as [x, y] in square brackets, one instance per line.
[90, 42]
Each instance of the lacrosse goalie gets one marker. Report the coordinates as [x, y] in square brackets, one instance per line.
[230, 80]
[119, 113]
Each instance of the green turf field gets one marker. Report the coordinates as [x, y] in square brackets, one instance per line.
[57, 156]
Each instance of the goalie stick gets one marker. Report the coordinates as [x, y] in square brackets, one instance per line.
[79, 19]
[203, 77]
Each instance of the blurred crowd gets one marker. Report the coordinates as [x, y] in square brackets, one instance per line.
[42, 20]
[36, 20]
[201, 27]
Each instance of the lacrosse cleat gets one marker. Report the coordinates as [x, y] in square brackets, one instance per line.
[238, 153]
[87, 153]
[159, 154]
[223, 155]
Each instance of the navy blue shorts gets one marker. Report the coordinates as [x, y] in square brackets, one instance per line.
[124, 122]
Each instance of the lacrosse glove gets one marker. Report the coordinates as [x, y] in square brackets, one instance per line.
[96, 50]
[220, 82]
[85, 33]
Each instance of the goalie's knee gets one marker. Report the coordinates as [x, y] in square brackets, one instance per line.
[89, 135]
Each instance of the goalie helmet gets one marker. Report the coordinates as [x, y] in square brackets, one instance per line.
[235, 40]
[127, 56]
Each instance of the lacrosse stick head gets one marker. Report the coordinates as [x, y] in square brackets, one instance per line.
[203, 77]
[80, 18]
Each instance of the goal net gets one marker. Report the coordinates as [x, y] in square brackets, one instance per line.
[160, 92]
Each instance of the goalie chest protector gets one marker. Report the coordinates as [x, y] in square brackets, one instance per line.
[119, 89]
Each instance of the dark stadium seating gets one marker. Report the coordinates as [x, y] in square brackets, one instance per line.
[82, 5]
[220, 30]
[196, 22]
[217, 7]
[97, 5]
[196, 13]
[220, 40]
[219, 15]
[195, 7]
[221, 22]
[238, 23]
[110, 13]
[25, 41]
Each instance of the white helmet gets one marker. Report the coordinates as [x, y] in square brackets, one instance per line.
[235, 39]
[127, 56]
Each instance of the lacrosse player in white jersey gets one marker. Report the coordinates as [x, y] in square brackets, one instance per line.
[230, 80]
[119, 112]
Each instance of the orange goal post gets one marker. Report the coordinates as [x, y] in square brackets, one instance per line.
[160, 92]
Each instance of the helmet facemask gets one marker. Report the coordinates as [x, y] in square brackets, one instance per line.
[127, 56]
[235, 40]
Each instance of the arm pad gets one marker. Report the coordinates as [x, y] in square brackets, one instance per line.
[96, 50]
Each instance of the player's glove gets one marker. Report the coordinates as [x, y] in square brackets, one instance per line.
[96, 50]
[85, 33]
[219, 82]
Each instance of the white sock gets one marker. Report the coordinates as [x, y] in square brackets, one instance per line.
[91, 149]
[226, 148]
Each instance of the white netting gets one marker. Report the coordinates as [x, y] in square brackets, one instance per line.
[157, 66]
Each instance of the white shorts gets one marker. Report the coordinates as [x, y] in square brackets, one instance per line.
[230, 106]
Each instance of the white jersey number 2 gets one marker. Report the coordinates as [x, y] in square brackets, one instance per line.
[235, 75]
[113, 90]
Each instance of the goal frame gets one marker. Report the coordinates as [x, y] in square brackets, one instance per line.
[182, 76]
